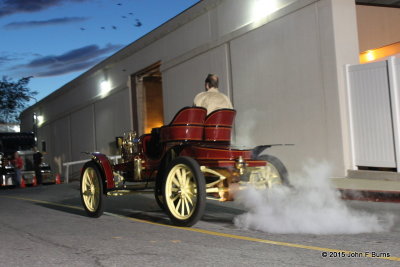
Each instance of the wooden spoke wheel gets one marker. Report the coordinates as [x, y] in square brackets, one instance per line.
[184, 191]
[276, 172]
[92, 190]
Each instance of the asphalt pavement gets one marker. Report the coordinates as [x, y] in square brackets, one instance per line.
[46, 226]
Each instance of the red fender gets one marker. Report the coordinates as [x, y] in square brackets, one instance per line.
[103, 161]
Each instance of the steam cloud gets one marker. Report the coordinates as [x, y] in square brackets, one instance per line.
[311, 207]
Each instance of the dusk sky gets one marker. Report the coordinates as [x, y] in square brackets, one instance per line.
[57, 40]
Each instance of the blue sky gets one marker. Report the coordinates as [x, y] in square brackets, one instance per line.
[57, 40]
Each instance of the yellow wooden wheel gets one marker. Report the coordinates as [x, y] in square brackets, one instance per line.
[272, 175]
[181, 192]
[184, 191]
[275, 171]
[92, 190]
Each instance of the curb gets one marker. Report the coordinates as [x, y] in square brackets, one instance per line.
[370, 195]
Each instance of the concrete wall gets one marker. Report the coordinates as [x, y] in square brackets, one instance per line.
[283, 71]
[90, 128]
[377, 26]
[186, 79]
[286, 81]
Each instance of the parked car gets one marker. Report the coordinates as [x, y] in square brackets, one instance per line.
[24, 143]
[6, 171]
[28, 172]
[184, 161]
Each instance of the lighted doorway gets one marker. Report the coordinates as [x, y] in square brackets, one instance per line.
[147, 99]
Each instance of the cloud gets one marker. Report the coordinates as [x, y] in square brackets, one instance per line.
[39, 23]
[12, 57]
[69, 68]
[5, 59]
[74, 60]
[9, 7]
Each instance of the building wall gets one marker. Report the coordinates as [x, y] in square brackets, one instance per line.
[90, 128]
[186, 79]
[276, 98]
[282, 70]
[286, 82]
[377, 26]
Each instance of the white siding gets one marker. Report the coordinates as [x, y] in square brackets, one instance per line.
[371, 115]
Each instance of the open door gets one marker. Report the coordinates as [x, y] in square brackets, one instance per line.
[147, 99]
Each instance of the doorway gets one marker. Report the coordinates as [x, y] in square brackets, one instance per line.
[147, 99]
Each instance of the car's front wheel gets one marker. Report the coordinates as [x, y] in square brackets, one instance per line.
[184, 191]
[91, 190]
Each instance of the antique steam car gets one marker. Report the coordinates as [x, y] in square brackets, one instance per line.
[184, 162]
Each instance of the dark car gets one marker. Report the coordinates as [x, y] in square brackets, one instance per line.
[6, 171]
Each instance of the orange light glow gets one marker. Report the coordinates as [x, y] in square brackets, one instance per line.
[370, 55]
[153, 124]
[380, 53]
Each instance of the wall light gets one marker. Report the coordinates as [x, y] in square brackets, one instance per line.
[370, 55]
[263, 8]
[40, 119]
[380, 53]
[105, 87]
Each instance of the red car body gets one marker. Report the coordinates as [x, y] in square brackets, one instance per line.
[175, 159]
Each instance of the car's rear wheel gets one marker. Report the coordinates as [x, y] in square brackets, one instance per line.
[184, 191]
[92, 189]
[276, 172]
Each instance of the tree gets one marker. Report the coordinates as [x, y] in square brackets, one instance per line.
[14, 97]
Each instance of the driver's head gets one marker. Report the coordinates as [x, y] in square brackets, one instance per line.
[211, 81]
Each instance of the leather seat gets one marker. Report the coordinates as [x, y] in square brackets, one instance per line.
[218, 125]
[187, 125]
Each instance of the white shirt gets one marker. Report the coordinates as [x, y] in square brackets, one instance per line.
[212, 100]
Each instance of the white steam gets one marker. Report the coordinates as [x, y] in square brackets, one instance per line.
[312, 206]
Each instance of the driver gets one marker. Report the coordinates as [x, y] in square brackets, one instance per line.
[212, 99]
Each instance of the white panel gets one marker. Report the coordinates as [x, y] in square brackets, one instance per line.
[185, 38]
[182, 82]
[371, 111]
[394, 84]
[234, 14]
[112, 119]
[278, 89]
[61, 143]
[82, 133]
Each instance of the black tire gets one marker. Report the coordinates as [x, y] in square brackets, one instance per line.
[278, 165]
[91, 189]
[185, 198]
[158, 192]
[158, 195]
